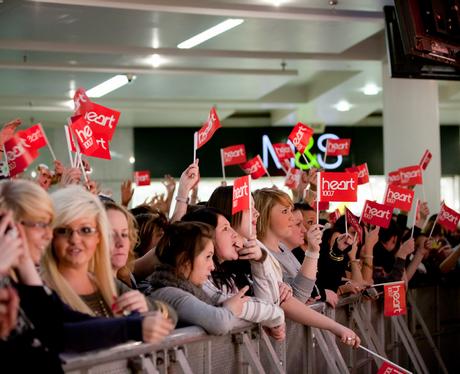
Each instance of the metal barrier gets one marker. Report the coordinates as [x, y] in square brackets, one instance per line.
[306, 350]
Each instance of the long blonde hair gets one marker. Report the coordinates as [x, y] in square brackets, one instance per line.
[72, 203]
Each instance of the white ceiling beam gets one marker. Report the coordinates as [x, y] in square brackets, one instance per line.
[223, 9]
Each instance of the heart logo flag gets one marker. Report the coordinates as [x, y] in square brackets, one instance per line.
[448, 218]
[334, 216]
[411, 175]
[363, 173]
[234, 155]
[283, 151]
[85, 136]
[81, 101]
[338, 147]
[102, 150]
[292, 179]
[208, 129]
[19, 154]
[426, 158]
[394, 302]
[241, 194]
[394, 177]
[388, 368]
[254, 167]
[337, 187]
[34, 136]
[399, 197]
[142, 178]
[300, 136]
[377, 214]
[353, 221]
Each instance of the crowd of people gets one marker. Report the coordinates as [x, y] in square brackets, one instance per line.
[80, 271]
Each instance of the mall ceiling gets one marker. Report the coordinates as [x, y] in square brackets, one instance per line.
[289, 60]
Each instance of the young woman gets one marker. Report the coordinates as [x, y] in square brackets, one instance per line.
[186, 252]
[222, 285]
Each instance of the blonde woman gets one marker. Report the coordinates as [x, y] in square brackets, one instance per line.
[77, 264]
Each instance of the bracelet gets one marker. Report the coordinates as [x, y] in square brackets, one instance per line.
[313, 255]
[355, 260]
[367, 256]
[184, 200]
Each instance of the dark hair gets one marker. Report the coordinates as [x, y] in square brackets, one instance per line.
[204, 215]
[303, 206]
[147, 223]
[182, 242]
[392, 230]
[221, 199]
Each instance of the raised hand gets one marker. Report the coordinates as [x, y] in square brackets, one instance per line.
[127, 192]
[235, 303]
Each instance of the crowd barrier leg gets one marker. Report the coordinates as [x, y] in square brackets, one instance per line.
[178, 356]
[250, 353]
[330, 351]
[277, 364]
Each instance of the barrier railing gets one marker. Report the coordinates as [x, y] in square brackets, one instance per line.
[306, 350]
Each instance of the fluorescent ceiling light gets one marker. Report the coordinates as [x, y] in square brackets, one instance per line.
[371, 89]
[210, 33]
[156, 60]
[343, 106]
[109, 85]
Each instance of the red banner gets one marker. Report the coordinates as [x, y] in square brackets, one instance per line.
[426, 158]
[142, 178]
[300, 136]
[34, 136]
[337, 186]
[85, 137]
[234, 155]
[363, 173]
[208, 129]
[241, 194]
[283, 151]
[255, 167]
[411, 175]
[334, 216]
[293, 178]
[394, 177]
[353, 221]
[394, 303]
[102, 120]
[377, 214]
[448, 218]
[387, 368]
[338, 147]
[19, 155]
[399, 197]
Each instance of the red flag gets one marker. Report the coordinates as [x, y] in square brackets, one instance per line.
[354, 222]
[338, 147]
[102, 150]
[377, 214]
[283, 151]
[69, 136]
[337, 186]
[19, 154]
[399, 197]
[255, 167]
[387, 368]
[81, 101]
[363, 173]
[300, 136]
[142, 178]
[394, 177]
[448, 218]
[208, 129]
[334, 216]
[426, 158]
[34, 136]
[85, 137]
[394, 303]
[320, 205]
[292, 179]
[234, 155]
[241, 194]
[102, 120]
[411, 175]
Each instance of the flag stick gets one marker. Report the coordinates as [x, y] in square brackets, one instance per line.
[385, 284]
[423, 192]
[47, 142]
[222, 163]
[269, 176]
[415, 218]
[250, 208]
[384, 359]
[78, 162]
[69, 147]
[318, 195]
[434, 224]
[195, 143]
[305, 158]
[346, 221]
[325, 153]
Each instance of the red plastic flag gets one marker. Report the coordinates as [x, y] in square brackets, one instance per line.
[283, 151]
[363, 173]
[234, 155]
[142, 178]
[102, 120]
[426, 158]
[85, 136]
[338, 147]
[334, 216]
[102, 150]
[255, 167]
[208, 129]
[353, 221]
[377, 214]
[292, 179]
[411, 175]
[394, 302]
[81, 101]
[399, 197]
[241, 194]
[387, 368]
[337, 186]
[19, 154]
[448, 218]
[394, 177]
[34, 136]
[300, 136]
